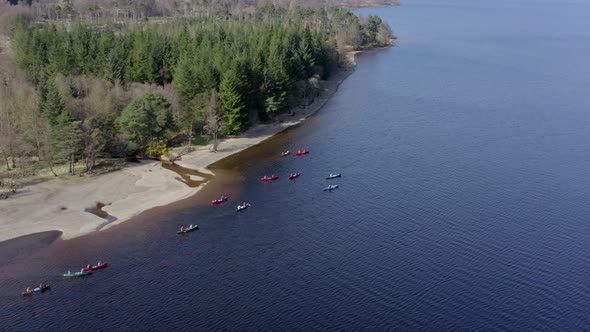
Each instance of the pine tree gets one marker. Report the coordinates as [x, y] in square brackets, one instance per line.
[107, 55]
[232, 106]
[81, 39]
[185, 80]
[53, 104]
[67, 139]
[277, 84]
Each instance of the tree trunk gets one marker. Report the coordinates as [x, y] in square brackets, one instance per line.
[215, 141]
[72, 164]
[190, 136]
[50, 164]
[7, 162]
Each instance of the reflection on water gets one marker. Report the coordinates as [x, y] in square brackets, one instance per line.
[190, 177]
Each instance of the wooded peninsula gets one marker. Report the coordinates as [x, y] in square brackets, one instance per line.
[76, 87]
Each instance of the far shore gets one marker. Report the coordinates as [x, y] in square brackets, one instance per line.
[59, 205]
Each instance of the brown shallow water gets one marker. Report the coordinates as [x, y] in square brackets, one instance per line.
[186, 175]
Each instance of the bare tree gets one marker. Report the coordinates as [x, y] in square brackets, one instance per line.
[10, 139]
[93, 144]
[213, 118]
[384, 34]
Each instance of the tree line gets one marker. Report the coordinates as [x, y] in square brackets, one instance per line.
[126, 89]
[130, 9]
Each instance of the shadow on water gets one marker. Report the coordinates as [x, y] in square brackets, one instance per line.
[190, 177]
[16, 249]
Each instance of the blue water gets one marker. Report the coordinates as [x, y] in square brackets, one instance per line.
[463, 205]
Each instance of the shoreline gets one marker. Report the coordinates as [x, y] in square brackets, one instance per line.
[60, 205]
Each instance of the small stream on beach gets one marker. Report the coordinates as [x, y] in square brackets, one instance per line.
[463, 202]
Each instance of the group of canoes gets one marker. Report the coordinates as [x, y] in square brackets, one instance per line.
[86, 270]
[241, 207]
[298, 153]
[83, 272]
[222, 199]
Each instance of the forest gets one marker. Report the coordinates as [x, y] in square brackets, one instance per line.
[84, 90]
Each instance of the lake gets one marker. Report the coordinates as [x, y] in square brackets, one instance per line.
[463, 202]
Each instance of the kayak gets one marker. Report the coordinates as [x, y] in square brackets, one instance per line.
[285, 153]
[294, 176]
[190, 229]
[77, 274]
[37, 290]
[269, 178]
[301, 152]
[95, 267]
[219, 200]
[333, 176]
[330, 188]
[243, 207]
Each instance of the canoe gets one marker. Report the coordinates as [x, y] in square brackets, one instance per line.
[243, 207]
[95, 267]
[285, 153]
[294, 176]
[41, 289]
[330, 188]
[77, 274]
[36, 290]
[333, 176]
[194, 228]
[269, 178]
[301, 152]
[219, 200]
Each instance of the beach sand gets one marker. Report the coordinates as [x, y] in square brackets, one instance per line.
[59, 205]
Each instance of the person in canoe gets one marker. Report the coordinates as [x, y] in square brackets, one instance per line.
[29, 290]
[99, 263]
[88, 266]
[182, 228]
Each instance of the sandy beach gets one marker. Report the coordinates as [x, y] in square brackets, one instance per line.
[59, 205]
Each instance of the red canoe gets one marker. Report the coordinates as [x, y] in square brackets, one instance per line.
[219, 200]
[301, 152]
[294, 176]
[269, 178]
[95, 267]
